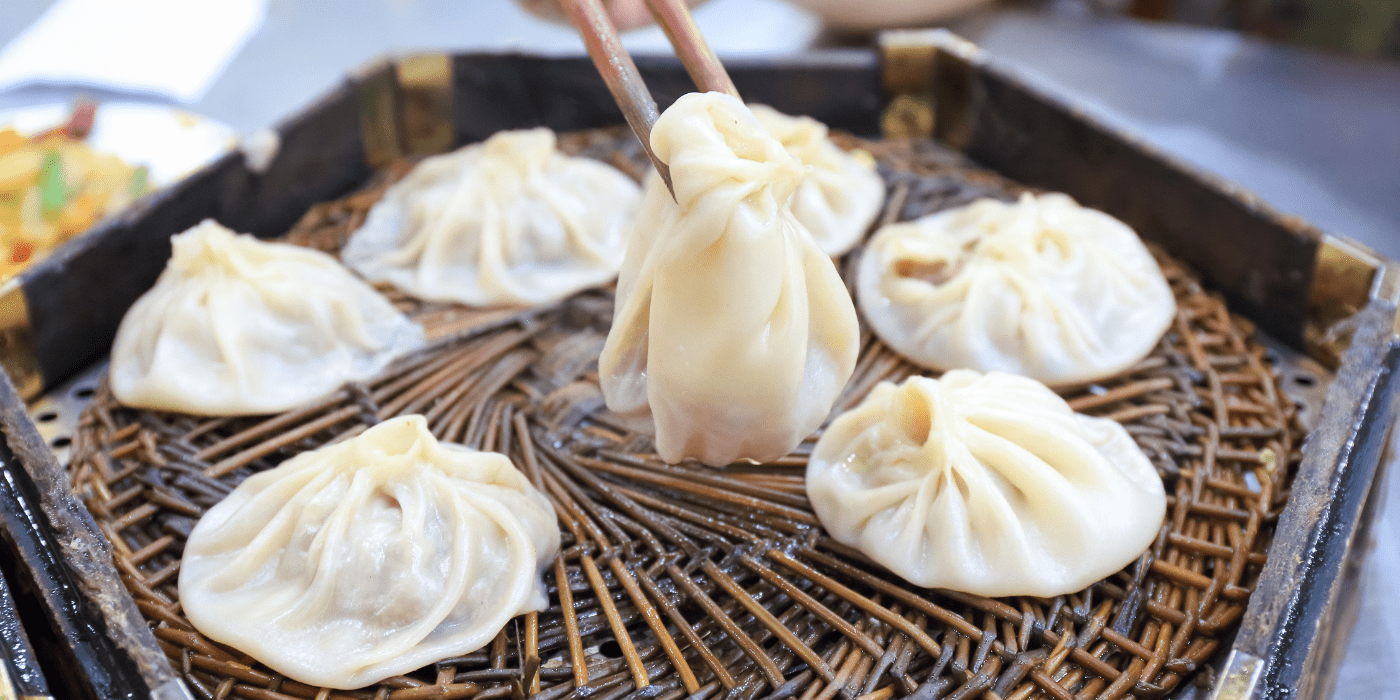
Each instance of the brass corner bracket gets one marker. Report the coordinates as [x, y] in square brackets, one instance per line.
[1239, 678]
[1346, 277]
[906, 75]
[17, 341]
[915, 75]
[405, 107]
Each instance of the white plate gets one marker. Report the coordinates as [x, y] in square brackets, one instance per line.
[170, 142]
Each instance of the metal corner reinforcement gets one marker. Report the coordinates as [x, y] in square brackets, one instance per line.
[1346, 277]
[405, 107]
[425, 103]
[1238, 680]
[377, 87]
[927, 75]
[17, 341]
[906, 64]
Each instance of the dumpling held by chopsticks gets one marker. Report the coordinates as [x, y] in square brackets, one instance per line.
[733, 332]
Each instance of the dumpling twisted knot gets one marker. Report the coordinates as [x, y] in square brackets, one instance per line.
[733, 333]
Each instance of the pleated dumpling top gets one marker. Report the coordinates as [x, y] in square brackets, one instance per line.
[841, 194]
[1042, 287]
[238, 326]
[987, 484]
[509, 221]
[370, 558]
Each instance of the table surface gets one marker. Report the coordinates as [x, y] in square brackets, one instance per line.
[1313, 134]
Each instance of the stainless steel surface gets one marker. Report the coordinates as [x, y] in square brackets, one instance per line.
[56, 413]
[1314, 134]
[304, 48]
[1304, 381]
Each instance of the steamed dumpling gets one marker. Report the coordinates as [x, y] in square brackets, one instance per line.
[733, 332]
[238, 326]
[987, 484]
[1041, 287]
[841, 194]
[370, 558]
[507, 221]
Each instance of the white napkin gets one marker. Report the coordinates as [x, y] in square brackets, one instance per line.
[173, 48]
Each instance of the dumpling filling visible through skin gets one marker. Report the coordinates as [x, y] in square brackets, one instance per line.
[1041, 287]
[509, 221]
[988, 484]
[733, 334]
[370, 558]
[238, 326]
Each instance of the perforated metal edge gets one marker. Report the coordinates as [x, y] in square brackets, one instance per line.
[56, 413]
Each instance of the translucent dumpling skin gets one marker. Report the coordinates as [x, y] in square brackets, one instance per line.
[1041, 287]
[987, 484]
[733, 334]
[370, 558]
[238, 326]
[841, 194]
[509, 221]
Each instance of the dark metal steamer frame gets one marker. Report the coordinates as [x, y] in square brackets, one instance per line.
[1316, 293]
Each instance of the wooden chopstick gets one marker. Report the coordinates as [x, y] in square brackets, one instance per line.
[620, 73]
[695, 53]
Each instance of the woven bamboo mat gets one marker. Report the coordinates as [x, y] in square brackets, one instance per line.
[681, 581]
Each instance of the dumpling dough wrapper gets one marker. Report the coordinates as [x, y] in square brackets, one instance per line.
[509, 221]
[733, 333]
[1042, 287]
[842, 192]
[370, 558]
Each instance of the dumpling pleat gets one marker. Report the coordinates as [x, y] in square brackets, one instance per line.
[382, 554]
[1043, 287]
[988, 484]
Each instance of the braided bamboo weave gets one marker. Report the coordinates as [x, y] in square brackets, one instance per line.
[681, 581]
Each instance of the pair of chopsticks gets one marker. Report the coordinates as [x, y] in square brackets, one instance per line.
[620, 72]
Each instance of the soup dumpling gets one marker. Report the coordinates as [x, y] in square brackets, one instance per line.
[238, 326]
[841, 194]
[733, 334]
[1041, 287]
[988, 484]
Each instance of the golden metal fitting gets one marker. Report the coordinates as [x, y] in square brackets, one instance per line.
[17, 342]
